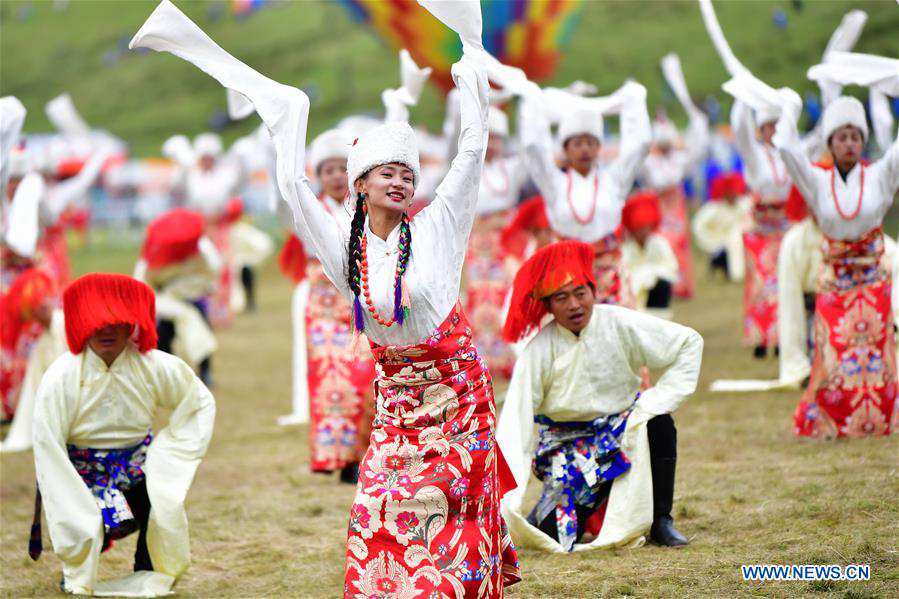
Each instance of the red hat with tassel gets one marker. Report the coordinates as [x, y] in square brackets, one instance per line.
[641, 210]
[28, 292]
[530, 217]
[98, 300]
[544, 273]
[233, 210]
[172, 237]
[727, 185]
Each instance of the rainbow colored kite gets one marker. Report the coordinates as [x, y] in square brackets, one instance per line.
[529, 34]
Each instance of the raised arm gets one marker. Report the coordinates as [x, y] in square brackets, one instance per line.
[636, 136]
[451, 213]
[660, 344]
[696, 138]
[744, 135]
[537, 148]
[75, 524]
[791, 150]
[64, 194]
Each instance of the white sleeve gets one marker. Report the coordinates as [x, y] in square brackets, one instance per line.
[210, 254]
[889, 162]
[451, 214]
[74, 522]
[791, 150]
[140, 270]
[744, 135]
[636, 138]
[661, 344]
[173, 458]
[62, 195]
[696, 140]
[703, 227]
[537, 149]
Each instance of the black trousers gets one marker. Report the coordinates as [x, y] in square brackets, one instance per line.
[662, 436]
[719, 262]
[139, 502]
[660, 295]
[165, 331]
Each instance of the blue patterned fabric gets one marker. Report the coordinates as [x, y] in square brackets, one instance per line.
[108, 472]
[574, 460]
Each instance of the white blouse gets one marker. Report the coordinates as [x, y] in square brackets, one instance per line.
[847, 209]
[501, 183]
[763, 168]
[209, 191]
[587, 208]
[663, 171]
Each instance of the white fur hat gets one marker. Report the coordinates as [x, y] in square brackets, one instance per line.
[333, 143]
[390, 142]
[580, 122]
[767, 114]
[208, 144]
[845, 110]
[497, 122]
[664, 132]
[22, 227]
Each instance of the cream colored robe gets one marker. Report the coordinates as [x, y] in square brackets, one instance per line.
[719, 225]
[83, 402]
[49, 346]
[645, 266]
[578, 378]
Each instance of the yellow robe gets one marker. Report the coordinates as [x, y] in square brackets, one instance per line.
[578, 378]
[83, 402]
[645, 266]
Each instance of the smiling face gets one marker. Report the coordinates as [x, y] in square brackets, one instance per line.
[109, 341]
[571, 306]
[332, 174]
[389, 187]
[581, 152]
[846, 145]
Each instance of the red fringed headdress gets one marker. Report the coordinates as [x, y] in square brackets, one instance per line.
[292, 259]
[99, 299]
[530, 217]
[729, 184]
[233, 210]
[544, 273]
[30, 289]
[172, 237]
[640, 210]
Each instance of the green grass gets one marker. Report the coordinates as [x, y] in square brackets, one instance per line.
[748, 491]
[314, 44]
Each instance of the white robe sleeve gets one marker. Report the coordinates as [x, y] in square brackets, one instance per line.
[73, 519]
[537, 149]
[62, 195]
[636, 138]
[658, 343]
[173, 457]
[744, 137]
[795, 159]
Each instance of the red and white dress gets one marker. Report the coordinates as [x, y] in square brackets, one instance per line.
[588, 208]
[852, 388]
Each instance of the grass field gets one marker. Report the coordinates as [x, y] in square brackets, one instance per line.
[313, 44]
[747, 492]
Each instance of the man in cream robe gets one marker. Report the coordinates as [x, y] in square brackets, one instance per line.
[582, 370]
[97, 402]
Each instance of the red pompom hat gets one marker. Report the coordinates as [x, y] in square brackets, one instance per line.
[100, 299]
[172, 238]
[729, 184]
[544, 273]
[30, 289]
[640, 210]
[530, 217]
[293, 259]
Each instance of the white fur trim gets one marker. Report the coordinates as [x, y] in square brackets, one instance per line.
[333, 143]
[845, 110]
[580, 122]
[390, 142]
[497, 122]
[22, 227]
[208, 144]
[769, 114]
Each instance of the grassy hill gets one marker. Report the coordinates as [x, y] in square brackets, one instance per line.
[144, 98]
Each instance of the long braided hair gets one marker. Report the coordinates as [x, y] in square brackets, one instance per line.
[354, 265]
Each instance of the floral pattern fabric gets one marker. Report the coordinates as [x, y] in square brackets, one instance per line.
[488, 278]
[675, 228]
[573, 460]
[426, 519]
[762, 245]
[220, 313]
[610, 289]
[13, 365]
[340, 382]
[108, 472]
[852, 388]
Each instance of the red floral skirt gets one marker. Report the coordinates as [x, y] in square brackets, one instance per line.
[13, 364]
[761, 245]
[675, 227]
[852, 389]
[220, 313]
[426, 518]
[340, 383]
[488, 278]
[53, 249]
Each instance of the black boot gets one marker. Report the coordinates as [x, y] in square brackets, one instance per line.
[663, 531]
[350, 474]
[759, 352]
[205, 372]
[248, 278]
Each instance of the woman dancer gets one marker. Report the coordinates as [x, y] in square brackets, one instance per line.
[426, 516]
[852, 390]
